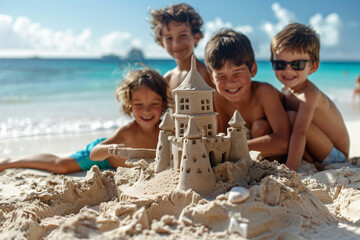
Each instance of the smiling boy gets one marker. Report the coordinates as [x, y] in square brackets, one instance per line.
[178, 30]
[319, 133]
[230, 59]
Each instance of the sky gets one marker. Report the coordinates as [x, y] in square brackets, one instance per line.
[92, 28]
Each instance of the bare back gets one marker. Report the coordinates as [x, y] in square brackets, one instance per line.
[251, 110]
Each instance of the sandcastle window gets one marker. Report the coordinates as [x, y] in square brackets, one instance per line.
[160, 147]
[194, 142]
[204, 155]
[199, 171]
[186, 100]
[181, 100]
[194, 159]
[205, 104]
[209, 133]
[209, 126]
[188, 170]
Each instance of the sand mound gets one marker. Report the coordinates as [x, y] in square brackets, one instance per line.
[136, 203]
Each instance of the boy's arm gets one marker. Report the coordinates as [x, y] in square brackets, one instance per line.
[302, 122]
[275, 143]
[100, 151]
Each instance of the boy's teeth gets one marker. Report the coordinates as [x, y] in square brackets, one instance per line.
[232, 90]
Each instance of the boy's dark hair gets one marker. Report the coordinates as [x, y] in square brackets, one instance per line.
[182, 13]
[297, 38]
[229, 46]
[136, 79]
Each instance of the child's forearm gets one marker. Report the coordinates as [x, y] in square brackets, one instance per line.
[100, 152]
[296, 150]
[269, 145]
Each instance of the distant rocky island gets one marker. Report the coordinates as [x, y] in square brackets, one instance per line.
[134, 55]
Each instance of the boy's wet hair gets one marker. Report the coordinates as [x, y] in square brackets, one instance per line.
[229, 46]
[182, 13]
[136, 79]
[298, 38]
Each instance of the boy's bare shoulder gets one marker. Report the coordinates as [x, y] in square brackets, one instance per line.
[264, 90]
[127, 130]
[168, 75]
[311, 94]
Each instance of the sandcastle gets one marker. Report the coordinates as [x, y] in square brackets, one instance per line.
[188, 141]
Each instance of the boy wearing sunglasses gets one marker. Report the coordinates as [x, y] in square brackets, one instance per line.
[319, 133]
[230, 59]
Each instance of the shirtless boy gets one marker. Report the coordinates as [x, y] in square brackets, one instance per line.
[318, 134]
[178, 30]
[231, 61]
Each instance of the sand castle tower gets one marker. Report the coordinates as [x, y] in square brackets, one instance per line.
[193, 98]
[237, 133]
[195, 170]
[167, 127]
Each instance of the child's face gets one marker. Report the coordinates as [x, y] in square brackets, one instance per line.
[147, 107]
[294, 79]
[178, 40]
[233, 82]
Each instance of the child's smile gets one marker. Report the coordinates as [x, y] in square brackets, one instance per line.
[293, 79]
[178, 40]
[147, 107]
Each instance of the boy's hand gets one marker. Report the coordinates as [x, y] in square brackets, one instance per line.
[112, 150]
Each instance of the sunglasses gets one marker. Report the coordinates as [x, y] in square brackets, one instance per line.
[297, 65]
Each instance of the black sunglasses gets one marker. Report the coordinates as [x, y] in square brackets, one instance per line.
[297, 65]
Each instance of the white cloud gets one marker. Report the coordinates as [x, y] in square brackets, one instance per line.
[283, 16]
[328, 28]
[23, 35]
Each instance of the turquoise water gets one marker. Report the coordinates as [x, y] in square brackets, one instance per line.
[60, 96]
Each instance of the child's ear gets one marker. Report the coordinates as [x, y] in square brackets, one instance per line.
[197, 37]
[254, 69]
[314, 67]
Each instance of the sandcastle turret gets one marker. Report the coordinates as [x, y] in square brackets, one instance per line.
[237, 133]
[162, 159]
[193, 98]
[195, 170]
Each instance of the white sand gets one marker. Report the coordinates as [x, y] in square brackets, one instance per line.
[136, 204]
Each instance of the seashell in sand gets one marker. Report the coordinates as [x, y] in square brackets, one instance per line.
[238, 194]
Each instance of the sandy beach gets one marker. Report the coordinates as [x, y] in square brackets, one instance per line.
[137, 204]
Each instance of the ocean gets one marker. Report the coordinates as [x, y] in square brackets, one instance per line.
[48, 97]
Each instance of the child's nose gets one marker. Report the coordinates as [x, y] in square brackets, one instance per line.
[176, 42]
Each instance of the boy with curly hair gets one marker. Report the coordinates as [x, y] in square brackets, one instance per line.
[178, 30]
